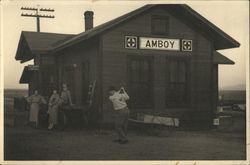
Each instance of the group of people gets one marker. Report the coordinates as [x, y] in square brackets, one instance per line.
[54, 102]
[118, 99]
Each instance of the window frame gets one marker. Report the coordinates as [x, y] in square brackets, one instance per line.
[48, 78]
[47, 60]
[150, 60]
[153, 25]
[179, 103]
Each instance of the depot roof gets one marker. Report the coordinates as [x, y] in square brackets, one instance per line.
[184, 12]
[37, 42]
[31, 43]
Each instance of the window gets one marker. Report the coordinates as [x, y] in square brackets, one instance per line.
[140, 82]
[48, 80]
[176, 91]
[47, 60]
[160, 25]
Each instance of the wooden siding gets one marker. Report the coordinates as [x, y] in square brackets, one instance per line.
[74, 57]
[200, 71]
[47, 75]
[215, 86]
[35, 83]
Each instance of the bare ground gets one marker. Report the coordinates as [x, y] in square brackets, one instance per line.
[25, 143]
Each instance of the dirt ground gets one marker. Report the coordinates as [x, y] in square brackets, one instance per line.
[25, 143]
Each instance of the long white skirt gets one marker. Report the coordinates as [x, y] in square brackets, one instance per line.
[34, 110]
[53, 114]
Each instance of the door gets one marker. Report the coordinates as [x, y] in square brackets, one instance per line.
[177, 82]
[140, 82]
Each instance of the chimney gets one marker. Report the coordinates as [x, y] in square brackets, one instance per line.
[88, 16]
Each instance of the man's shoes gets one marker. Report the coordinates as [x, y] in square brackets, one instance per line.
[117, 140]
[51, 126]
[123, 141]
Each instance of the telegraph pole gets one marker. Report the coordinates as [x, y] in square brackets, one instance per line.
[37, 15]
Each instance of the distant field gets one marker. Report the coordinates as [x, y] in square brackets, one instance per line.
[9, 95]
[235, 96]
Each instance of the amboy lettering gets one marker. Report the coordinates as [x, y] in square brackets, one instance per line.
[159, 43]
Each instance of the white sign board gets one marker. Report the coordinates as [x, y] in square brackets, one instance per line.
[216, 121]
[159, 43]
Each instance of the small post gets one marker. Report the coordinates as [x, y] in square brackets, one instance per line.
[38, 24]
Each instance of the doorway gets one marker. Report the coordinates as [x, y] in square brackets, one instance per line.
[140, 81]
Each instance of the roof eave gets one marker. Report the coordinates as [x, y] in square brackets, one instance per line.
[23, 46]
[101, 30]
[221, 59]
[221, 34]
[226, 46]
[18, 56]
[231, 63]
[26, 76]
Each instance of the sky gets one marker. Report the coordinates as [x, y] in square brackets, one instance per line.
[230, 16]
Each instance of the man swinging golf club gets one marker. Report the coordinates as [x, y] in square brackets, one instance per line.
[119, 98]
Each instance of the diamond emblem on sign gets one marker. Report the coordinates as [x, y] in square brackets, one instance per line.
[131, 42]
[186, 45]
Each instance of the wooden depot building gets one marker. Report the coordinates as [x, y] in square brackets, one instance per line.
[164, 55]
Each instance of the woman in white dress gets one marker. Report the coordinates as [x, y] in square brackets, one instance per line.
[34, 101]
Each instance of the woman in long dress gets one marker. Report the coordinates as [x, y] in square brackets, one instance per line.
[34, 101]
[53, 109]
